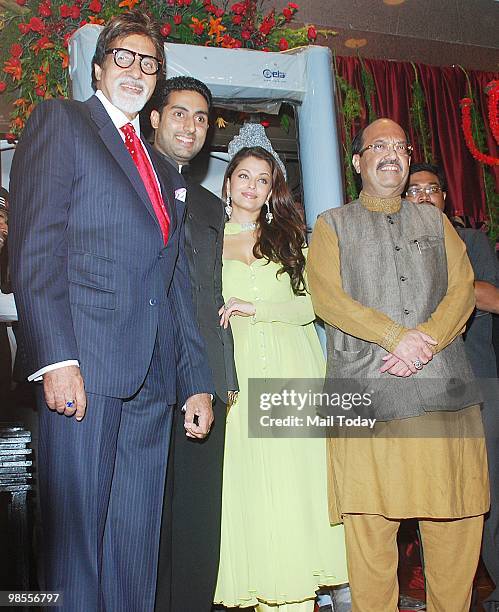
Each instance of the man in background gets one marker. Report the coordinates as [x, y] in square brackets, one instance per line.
[427, 185]
[192, 507]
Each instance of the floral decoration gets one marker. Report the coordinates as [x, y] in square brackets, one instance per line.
[467, 123]
[493, 93]
[34, 37]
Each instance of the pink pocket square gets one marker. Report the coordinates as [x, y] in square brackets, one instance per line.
[180, 194]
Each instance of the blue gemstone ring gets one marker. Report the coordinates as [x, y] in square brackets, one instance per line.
[70, 404]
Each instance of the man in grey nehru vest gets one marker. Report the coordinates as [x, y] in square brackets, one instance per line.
[394, 285]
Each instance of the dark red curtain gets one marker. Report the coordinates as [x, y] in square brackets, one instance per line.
[443, 89]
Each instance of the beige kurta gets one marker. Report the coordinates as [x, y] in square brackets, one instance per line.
[398, 475]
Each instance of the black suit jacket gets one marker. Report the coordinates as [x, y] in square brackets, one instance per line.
[92, 278]
[204, 233]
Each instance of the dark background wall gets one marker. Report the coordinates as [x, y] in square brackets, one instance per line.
[439, 32]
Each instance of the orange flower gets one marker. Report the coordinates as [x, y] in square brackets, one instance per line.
[40, 79]
[43, 43]
[13, 67]
[129, 3]
[18, 123]
[216, 28]
[95, 20]
[65, 59]
[19, 102]
[197, 26]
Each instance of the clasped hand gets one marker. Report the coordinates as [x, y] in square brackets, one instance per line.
[413, 347]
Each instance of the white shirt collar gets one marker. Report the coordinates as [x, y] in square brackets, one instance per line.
[117, 116]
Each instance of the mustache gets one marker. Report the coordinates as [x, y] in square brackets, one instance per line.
[127, 80]
[389, 162]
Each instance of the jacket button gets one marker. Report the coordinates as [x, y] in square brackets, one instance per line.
[153, 301]
[397, 248]
[403, 278]
[195, 251]
[190, 215]
[406, 311]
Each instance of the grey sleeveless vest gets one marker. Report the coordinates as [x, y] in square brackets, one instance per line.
[396, 263]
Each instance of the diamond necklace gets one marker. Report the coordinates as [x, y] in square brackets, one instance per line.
[248, 227]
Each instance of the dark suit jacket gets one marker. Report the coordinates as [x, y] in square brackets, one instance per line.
[91, 276]
[204, 233]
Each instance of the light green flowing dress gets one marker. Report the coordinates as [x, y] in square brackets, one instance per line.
[277, 544]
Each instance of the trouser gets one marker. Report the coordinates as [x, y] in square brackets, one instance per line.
[5, 364]
[490, 545]
[451, 551]
[306, 606]
[190, 529]
[101, 489]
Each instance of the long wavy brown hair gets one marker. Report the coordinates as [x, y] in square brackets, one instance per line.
[282, 240]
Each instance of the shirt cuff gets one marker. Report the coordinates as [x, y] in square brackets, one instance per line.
[37, 376]
[184, 407]
[392, 336]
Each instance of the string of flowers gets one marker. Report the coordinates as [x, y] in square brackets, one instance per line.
[492, 91]
[474, 132]
[467, 124]
[34, 37]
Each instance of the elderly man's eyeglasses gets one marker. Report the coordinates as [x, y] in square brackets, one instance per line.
[124, 58]
[382, 148]
[414, 192]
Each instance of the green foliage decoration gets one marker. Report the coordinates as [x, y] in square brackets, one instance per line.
[369, 90]
[418, 118]
[350, 108]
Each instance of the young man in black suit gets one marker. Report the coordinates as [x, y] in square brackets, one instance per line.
[190, 540]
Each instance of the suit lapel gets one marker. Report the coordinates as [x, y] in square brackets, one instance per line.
[115, 145]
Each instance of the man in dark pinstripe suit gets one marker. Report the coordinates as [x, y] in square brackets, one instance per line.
[106, 320]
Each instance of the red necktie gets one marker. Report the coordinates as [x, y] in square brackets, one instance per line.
[144, 166]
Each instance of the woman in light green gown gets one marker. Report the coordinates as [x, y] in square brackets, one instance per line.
[277, 546]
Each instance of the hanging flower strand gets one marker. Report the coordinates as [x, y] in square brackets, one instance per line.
[492, 90]
[466, 104]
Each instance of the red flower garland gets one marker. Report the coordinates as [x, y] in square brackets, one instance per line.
[492, 90]
[483, 158]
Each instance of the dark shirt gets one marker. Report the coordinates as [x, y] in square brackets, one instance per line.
[478, 337]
